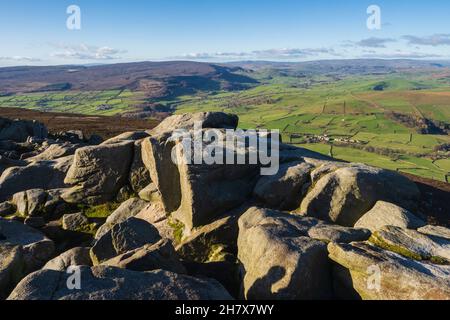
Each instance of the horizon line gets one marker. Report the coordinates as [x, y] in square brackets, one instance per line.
[93, 64]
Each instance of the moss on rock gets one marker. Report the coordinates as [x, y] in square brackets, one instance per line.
[378, 241]
[99, 211]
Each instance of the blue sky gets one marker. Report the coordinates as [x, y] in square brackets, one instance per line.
[35, 32]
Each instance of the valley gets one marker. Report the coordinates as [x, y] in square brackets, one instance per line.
[393, 114]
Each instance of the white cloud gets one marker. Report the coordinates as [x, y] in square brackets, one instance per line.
[269, 54]
[205, 55]
[19, 59]
[374, 42]
[433, 40]
[401, 55]
[86, 52]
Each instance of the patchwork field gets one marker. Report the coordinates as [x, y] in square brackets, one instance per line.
[108, 102]
[396, 116]
[349, 119]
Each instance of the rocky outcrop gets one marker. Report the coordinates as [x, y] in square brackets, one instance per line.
[210, 190]
[435, 231]
[55, 151]
[37, 249]
[155, 214]
[346, 194]
[187, 121]
[35, 222]
[123, 237]
[40, 203]
[286, 189]
[160, 255]
[334, 233]
[108, 283]
[30, 202]
[198, 192]
[20, 130]
[6, 163]
[127, 209]
[279, 260]
[412, 244]
[74, 257]
[139, 177]
[211, 243]
[376, 274]
[37, 175]
[22, 250]
[12, 268]
[156, 155]
[127, 136]
[74, 221]
[388, 214]
[150, 193]
[348, 223]
[98, 173]
[6, 209]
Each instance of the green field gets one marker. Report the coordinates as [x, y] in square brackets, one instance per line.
[347, 109]
[83, 102]
[351, 108]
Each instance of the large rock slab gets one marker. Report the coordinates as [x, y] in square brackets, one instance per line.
[218, 120]
[30, 202]
[127, 136]
[412, 244]
[279, 261]
[139, 177]
[377, 274]
[150, 193]
[346, 194]
[286, 189]
[12, 267]
[388, 214]
[36, 248]
[435, 231]
[155, 214]
[108, 283]
[214, 242]
[55, 151]
[211, 190]
[6, 163]
[123, 237]
[37, 175]
[127, 209]
[74, 257]
[40, 203]
[157, 151]
[196, 193]
[335, 233]
[160, 255]
[98, 173]
[157, 157]
[326, 168]
[75, 222]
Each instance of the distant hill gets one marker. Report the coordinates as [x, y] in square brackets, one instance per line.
[156, 79]
[346, 66]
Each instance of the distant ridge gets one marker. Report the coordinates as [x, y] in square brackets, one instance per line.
[157, 76]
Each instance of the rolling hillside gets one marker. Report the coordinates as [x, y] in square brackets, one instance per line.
[393, 114]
